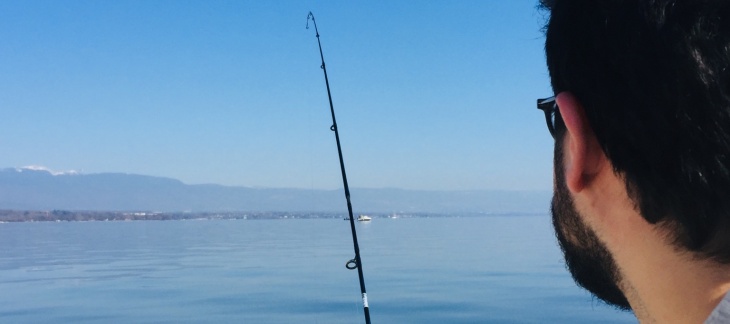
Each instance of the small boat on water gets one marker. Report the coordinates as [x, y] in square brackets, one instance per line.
[364, 218]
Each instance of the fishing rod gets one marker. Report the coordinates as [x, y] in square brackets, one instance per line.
[355, 263]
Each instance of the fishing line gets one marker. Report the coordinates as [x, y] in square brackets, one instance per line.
[355, 263]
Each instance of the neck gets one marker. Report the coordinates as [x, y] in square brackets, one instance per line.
[664, 286]
[662, 283]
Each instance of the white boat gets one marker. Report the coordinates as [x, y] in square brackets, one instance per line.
[363, 218]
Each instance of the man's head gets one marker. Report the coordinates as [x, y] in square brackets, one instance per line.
[653, 77]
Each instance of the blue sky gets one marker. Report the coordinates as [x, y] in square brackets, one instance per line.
[428, 95]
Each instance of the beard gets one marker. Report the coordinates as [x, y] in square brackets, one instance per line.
[587, 258]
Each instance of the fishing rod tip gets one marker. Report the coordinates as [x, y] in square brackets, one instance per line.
[310, 15]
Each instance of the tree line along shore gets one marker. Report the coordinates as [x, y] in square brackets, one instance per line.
[13, 216]
[8, 216]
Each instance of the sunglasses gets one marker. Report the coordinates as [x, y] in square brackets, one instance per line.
[550, 108]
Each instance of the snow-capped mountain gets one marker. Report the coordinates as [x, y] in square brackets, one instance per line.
[42, 168]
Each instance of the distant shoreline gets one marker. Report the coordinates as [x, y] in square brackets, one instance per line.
[18, 216]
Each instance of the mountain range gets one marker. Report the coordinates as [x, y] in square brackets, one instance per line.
[42, 189]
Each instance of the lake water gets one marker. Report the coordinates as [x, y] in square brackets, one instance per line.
[492, 269]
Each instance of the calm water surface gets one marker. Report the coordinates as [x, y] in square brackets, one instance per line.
[496, 269]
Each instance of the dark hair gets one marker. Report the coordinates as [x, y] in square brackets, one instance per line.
[654, 79]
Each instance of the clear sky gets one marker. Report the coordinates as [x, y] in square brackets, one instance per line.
[436, 95]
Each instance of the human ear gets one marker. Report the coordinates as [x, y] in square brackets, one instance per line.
[582, 156]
